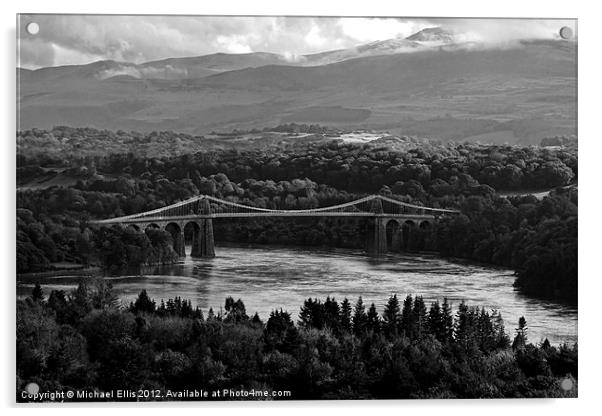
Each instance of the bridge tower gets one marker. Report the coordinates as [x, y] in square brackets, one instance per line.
[377, 233]
[203, 244]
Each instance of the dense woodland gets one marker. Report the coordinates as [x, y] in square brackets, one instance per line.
[83, 341]
[537, 238]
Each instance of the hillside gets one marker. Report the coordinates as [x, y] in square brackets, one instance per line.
[450, 92]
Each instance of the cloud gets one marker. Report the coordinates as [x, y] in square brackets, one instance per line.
[78, 39]
[233, 44]
[507, 31]
[371, 29]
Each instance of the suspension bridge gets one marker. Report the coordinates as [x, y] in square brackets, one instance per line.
[389, 219]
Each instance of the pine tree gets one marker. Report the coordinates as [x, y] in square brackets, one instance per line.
[312, 314]
[198, 314]
[143, 303]
[405, 324]
[161, 310]
[210, 315]
[359, 317]
[520, 340]
[501, 338]
[229, 303]
[435, 322]
[256, 319]
[461, 330]
[186, 309]
[447, 320]
[373, 320]
[419, 325]
[486, 333]
[391, 316]
[346, 315]
[332, 313]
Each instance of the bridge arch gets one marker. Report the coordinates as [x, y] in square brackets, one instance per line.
[407, 229]
[177, 237]
[190, 230]
[394, 235]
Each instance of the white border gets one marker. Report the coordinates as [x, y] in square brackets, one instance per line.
[590, 153]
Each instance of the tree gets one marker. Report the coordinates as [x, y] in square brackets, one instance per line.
[447, 321]
[465, 327]
[280, 332]
[346, 315]
[373, 320]
[419, 319]
[79, 301]
[391, 316]
[501, 338]
[103, 295]
[405, 323]
[143, 303]
[235, 311]
[36, 294]
[312, 314]
[359, 317]
[256, 320]
[520, 340]
[436, 323]
[332, 313]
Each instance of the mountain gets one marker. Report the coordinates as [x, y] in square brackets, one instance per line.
[425, 85]
[202, 66]
[432, 34]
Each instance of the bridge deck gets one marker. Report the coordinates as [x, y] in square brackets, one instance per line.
[417, 217]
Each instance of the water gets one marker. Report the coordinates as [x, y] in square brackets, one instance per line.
[270, 277]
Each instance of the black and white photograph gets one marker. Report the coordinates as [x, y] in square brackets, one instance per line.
[289, 208]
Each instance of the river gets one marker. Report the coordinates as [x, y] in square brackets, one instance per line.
[270, 277]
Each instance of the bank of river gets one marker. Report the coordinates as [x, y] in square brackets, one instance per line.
[270, 277]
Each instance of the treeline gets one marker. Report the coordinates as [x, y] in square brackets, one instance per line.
[62, 239]
[83, 341]
[345, 166]
[284, 128]
[368, 167]
[536, 238]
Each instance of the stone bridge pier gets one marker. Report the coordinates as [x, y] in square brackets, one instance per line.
[377, 233]
[388, 233]
[377, 237]
[203, 243]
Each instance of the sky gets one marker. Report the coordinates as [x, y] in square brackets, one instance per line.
[81, 39]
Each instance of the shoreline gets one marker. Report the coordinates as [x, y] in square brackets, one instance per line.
[84, 272]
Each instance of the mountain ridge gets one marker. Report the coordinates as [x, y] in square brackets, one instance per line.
[204, 65]
[517, 94]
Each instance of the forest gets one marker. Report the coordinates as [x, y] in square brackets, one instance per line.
[535, 237]
[85, 341]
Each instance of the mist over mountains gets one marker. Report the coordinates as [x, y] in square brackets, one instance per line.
[434, 83]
